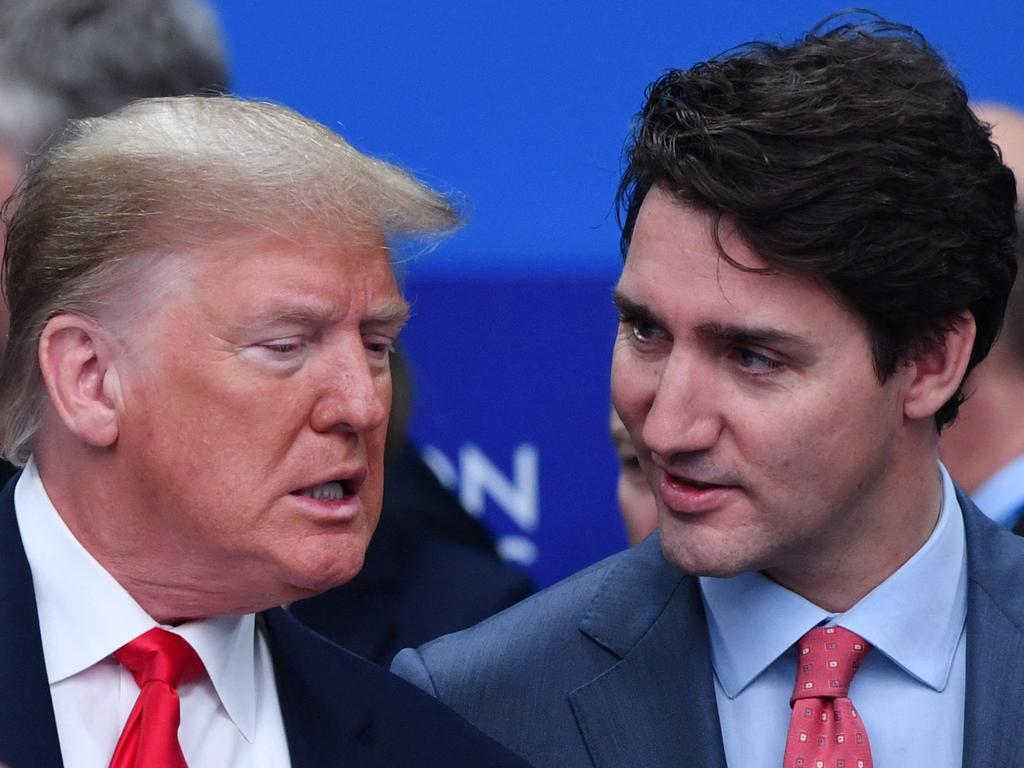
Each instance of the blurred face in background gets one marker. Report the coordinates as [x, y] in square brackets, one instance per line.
[636, 501]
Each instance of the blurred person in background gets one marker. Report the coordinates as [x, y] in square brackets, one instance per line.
[984, 448]
[637, 505]
[68, 59]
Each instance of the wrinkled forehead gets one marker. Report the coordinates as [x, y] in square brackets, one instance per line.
[154, 270]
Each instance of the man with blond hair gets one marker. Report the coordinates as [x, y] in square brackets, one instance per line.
[196, 382]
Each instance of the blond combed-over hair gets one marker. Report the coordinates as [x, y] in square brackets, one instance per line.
[166, 176]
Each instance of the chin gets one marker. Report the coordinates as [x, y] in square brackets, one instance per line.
[318, 574]
[692, 561]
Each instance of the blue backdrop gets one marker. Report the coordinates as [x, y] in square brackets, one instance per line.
[522, 108]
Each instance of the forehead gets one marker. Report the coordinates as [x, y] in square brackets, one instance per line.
[268, 274]
[675, 268]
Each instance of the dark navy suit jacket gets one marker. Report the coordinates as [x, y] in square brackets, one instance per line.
[612, 667]
[413, 587]
[338, 709]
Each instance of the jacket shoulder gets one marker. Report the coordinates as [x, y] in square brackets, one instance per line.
[543, 626]
[512, 675]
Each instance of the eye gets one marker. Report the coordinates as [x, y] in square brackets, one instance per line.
[283, 349]
[756, 363]
[379, 348]
[643, 331]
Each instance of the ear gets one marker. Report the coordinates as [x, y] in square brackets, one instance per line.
[76, 357]
[939, 369]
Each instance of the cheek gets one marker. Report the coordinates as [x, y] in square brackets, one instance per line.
[801, 445]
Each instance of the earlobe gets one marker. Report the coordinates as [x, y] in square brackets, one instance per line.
[76, 361]
[939, 369]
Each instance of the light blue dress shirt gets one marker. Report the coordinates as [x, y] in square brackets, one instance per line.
[910, 689]
[1001, 497]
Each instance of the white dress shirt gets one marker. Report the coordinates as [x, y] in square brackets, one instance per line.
[910, 689]
[230, 717]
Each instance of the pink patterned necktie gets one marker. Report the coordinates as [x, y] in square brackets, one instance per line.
[825, 730]
[159, 661]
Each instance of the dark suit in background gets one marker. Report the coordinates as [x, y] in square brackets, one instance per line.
[430, 569]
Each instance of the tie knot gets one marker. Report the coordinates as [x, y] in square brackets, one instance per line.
[827, 659]
[160, 655]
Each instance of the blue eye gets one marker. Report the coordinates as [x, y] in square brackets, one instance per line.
[754, 362]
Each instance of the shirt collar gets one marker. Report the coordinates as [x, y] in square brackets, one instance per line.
[915, 617]
[85, 614]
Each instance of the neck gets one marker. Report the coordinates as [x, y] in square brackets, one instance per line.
[881, 530]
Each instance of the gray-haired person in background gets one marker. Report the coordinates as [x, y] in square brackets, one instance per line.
[64, 60]
[197, 383]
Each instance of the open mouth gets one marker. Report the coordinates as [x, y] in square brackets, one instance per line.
[689, 482]
[685, 481]
[332, 490]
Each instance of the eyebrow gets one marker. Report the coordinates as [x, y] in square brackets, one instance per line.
[634, 310]
[753, 336]
[732, 333]
[392, 312]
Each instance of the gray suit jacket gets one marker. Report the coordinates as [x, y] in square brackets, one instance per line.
[611, 668]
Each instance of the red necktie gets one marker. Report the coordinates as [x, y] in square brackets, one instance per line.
[825, 730]
[159, 661]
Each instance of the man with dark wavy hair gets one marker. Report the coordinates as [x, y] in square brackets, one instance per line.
[819, 243]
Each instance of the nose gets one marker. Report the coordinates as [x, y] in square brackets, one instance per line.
[352, 395]
[685, 415]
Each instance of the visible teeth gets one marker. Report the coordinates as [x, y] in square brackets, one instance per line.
[330, 491]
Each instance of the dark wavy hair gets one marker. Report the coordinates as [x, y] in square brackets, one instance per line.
[850, 156]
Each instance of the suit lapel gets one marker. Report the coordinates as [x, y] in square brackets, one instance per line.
[993, 709]
[656, 706]
[28, 731]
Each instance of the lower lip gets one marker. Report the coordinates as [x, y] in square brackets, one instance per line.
[332, 510]
[688, 499]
